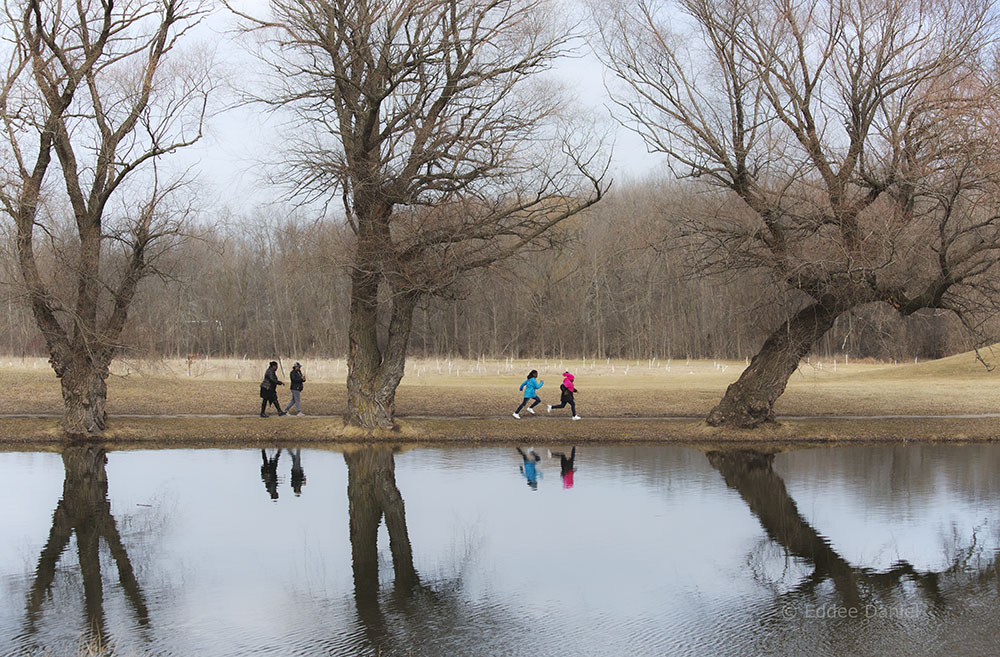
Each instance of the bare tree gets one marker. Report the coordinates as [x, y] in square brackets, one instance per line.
[90, 82]
[857, 137]
[427, 119]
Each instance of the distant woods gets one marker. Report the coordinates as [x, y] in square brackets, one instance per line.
[624, 284]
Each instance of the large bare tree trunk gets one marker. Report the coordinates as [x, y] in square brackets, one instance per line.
[373, 374]
[364, 407]
[749, 401]
[85, 394]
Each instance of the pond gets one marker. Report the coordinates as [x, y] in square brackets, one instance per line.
[623, 550]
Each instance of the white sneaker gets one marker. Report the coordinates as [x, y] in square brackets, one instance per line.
[550, 408]
[531, 410]
[517, 416]
[576, 417]
[301, 414]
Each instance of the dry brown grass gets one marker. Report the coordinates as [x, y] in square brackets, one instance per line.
[955, 385]
[463, 394]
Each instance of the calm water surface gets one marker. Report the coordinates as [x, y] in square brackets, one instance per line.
[452, 551]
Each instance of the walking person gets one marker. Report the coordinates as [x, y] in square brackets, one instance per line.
[298, 378]
[269, 389]
[530, 385]
[568, 390]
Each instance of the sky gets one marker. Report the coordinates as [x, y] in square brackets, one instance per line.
[228, 161]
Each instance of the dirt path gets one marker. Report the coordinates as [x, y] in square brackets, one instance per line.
[528, 418]
[19, 431]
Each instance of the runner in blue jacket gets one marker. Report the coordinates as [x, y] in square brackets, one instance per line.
[530, 385]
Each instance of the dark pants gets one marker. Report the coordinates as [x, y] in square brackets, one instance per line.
[572, 405]
[272, 398]
[525, 401]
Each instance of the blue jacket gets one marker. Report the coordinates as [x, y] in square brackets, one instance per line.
[530, 386]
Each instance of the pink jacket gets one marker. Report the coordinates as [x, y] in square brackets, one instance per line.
[568, 381]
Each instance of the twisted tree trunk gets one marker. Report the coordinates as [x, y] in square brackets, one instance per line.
[749, 402]
[85, 393]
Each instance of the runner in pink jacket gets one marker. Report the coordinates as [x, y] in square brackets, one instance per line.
[568, 390]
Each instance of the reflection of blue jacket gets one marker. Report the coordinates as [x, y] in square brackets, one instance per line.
[530, 386]
[530, 472]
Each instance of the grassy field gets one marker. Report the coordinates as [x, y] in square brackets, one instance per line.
[446, 399]
[488, 388]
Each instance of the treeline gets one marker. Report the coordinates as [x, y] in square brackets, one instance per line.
[624, 283]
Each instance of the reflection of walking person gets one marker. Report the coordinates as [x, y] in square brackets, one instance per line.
[568, 390]
[269, 389]
[298, 474]
[298, 378]
[269, 473]
[530, 385]
[566, 468]
[529, 467]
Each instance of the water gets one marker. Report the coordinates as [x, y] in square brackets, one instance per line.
[455, 551]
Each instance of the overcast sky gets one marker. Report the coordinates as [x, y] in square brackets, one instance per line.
[229, 161]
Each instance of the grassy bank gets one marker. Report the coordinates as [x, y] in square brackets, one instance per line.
[155, 433]
[213, 401]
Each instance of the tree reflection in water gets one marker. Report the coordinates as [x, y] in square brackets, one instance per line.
[410, 610]
[750, 473]
[413, 613]
[84, 510]
[372, 494]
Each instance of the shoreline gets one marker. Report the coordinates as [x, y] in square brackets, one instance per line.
[42, 433]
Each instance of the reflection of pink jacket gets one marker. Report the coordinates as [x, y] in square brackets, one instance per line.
[568, 381]
[568, 479]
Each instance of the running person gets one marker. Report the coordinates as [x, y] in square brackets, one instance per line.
[530, 385]
[568, 390]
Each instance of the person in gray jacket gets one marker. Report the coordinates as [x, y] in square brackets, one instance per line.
[298, 378]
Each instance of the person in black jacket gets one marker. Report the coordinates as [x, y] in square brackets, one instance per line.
[269, 472]
[269, 389]
[298, 378]
[568, 390]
